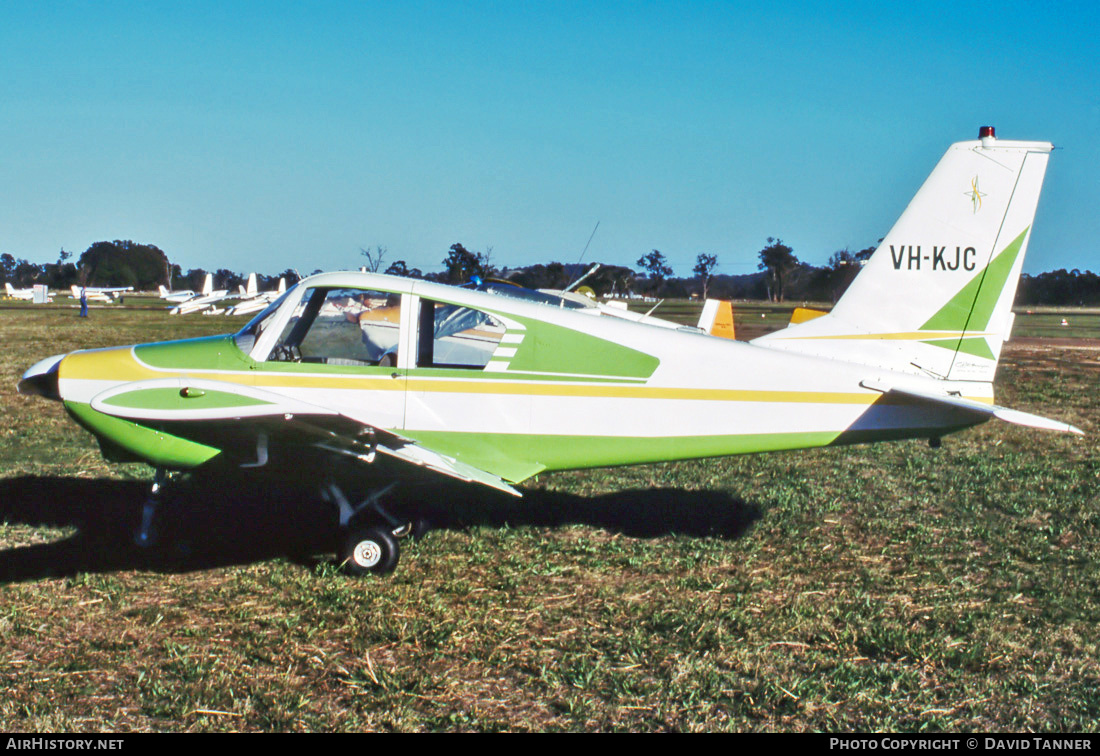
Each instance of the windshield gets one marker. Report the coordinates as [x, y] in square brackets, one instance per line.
[247, 336]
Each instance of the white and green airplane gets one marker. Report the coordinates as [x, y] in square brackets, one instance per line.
[399, 378]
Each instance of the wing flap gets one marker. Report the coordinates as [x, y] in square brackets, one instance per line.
[449, 466]
[370, 440]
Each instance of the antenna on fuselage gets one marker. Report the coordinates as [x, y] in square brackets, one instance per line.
[590, 237]
[579, 259]
[591, 270]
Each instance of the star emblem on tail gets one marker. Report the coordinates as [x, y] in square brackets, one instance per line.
[975, 195]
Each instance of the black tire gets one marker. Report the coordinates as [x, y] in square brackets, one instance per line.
[420, 528]
[367, 551]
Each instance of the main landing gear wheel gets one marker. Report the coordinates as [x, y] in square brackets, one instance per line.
[368, 551]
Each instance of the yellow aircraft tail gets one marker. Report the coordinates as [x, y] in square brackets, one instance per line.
[802, 314]
[717, 319]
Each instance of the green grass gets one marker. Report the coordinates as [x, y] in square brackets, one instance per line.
[1055, 322]
[885, 587]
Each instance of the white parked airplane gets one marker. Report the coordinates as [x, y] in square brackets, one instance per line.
[202, 301]
[254, 300]
[15, 293]
[179, 295]
[99, 293]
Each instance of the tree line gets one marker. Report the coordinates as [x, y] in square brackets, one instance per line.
[780, 275]
[123, 263]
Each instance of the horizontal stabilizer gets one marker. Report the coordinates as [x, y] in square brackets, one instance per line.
[1015, 417]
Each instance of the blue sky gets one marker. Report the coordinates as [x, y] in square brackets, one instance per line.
[265, 136]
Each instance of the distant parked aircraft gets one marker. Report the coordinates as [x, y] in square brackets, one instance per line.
[100, 293]
[15, 293]
[203, 300]
[179, 295]
[253, 300]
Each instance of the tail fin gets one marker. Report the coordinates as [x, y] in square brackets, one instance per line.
[163, 290]
[717, 318]
[208, 284]
[936, 296]
[9, 288]
[802, 314]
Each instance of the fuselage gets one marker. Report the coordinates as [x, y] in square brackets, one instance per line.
[556, 388]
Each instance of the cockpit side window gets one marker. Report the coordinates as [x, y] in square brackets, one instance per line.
[342, 326]
[452, 336]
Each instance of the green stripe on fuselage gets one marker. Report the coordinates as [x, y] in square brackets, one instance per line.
[152, 446]
[170, 399]
[550, 348]
[206, 353]
[517, 457]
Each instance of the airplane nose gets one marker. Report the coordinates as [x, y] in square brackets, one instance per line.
[41, 378]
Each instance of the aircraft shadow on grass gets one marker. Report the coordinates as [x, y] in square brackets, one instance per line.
[205, 525]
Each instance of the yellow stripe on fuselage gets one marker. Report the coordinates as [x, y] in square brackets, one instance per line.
[122, 365]
[114, 364]
[637, 392]
[910, 336]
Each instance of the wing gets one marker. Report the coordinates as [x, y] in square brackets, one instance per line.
[216, 411]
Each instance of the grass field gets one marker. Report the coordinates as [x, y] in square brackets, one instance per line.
[886, 587]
